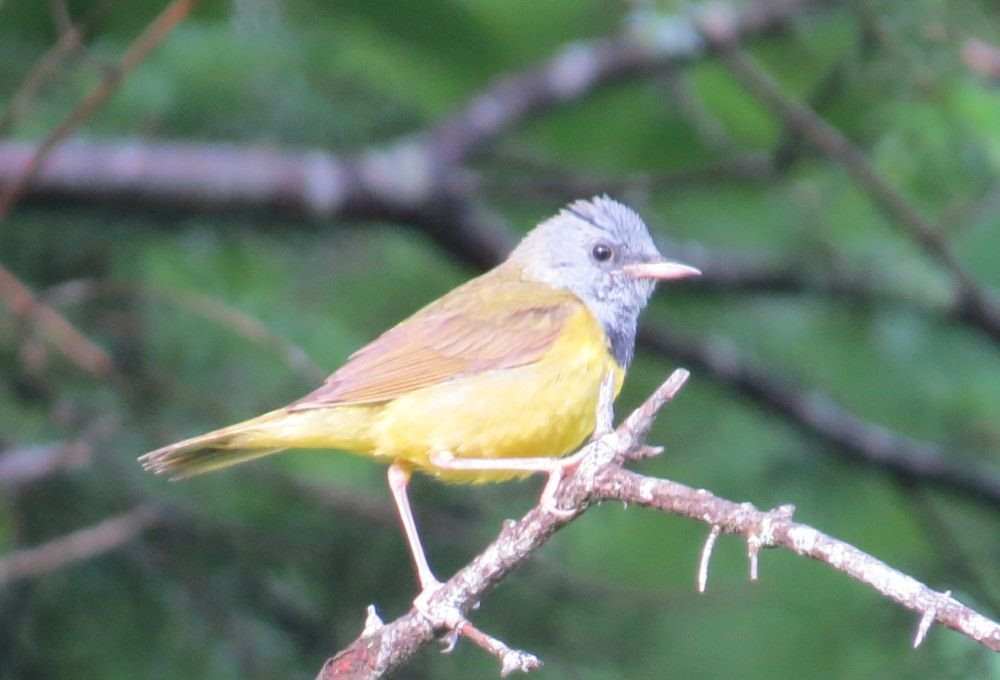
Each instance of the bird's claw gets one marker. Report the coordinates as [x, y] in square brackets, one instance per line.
[421, 602]
[548, 502]
[442, 459]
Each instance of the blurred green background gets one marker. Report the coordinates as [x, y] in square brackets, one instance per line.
[265, 570]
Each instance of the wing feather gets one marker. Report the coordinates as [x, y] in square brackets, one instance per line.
[490, 323]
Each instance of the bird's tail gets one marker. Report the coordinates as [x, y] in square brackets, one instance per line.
[257, 437]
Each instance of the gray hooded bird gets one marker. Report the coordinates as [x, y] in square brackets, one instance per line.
[497, 379]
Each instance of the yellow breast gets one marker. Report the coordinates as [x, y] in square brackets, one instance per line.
[543, 409]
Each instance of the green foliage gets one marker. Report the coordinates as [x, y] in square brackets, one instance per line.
[254, 577]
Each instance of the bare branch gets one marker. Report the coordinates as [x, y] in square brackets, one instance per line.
[413, 180]
[382, 648]
[78, 546]
[776, 528]
[653, 43]
[549, 181]
[25, 464]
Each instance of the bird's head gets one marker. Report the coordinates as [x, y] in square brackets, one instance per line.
[601, 251]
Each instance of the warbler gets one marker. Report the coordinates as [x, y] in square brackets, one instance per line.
[496, 379]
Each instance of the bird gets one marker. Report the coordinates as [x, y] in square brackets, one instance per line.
[497, 379]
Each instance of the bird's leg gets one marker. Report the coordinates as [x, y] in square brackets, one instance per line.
[399, 477]
[555, 468]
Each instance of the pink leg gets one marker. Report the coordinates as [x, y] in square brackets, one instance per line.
[447, 461]
[399, 477]
[555, 468]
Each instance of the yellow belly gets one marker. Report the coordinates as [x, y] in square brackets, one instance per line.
[544, 409]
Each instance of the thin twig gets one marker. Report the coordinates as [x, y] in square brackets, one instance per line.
[211, 308]
[47, 66]
[979, 305]
[24, 304]
[26, 464]
[140, 48]
[77, 546]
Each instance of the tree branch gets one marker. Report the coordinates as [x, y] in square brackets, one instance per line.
[22, 302]
[978, 305]
[410, 177]
[383, 647]
[819, 415]
[77, 546]
[775, 528]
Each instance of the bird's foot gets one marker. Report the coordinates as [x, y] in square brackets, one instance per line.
[422, 603]
[560, 469]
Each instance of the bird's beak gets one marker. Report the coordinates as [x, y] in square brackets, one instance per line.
[664, 270]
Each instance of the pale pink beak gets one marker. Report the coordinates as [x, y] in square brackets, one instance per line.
[664, 270]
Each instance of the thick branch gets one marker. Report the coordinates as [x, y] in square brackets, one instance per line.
[404, 179]
[23, 465]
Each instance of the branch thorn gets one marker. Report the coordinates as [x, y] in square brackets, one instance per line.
[706, 556]
[372, 622]
[925, 623]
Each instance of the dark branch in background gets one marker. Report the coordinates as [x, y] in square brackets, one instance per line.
[530, 177]
[977, 305]
[382, 648]
[27, 464]
[744, 272]
[817, 414]
[417, 179]
[655, 44]
[77, 546]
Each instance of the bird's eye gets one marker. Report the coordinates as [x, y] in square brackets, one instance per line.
[602, 252]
